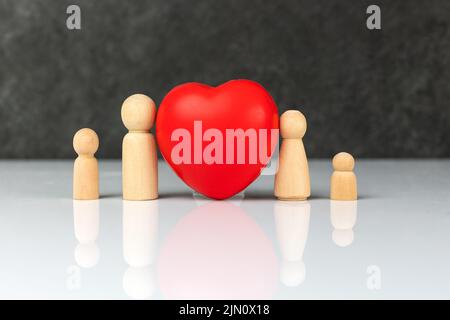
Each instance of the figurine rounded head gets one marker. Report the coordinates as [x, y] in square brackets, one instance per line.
[343, 161]
[138, 112]
[85, 141]
[292, 124]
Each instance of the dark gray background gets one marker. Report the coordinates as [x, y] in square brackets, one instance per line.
[373, 93]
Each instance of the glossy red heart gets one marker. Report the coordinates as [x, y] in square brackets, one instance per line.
[217, 139]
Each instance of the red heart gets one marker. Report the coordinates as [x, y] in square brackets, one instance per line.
[234, 105]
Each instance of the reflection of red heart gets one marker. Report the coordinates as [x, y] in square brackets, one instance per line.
[217, 252]
[237, 104]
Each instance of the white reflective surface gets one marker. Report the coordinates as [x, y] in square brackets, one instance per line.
[392, 243]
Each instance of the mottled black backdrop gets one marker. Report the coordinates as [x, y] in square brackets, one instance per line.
[373, 93]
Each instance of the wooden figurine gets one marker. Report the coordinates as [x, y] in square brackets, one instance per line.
[292, 178]
[343, 179]
[85, 171]
[139, 158]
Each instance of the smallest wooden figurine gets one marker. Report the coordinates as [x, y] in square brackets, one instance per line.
[343, 179]
[85, 170]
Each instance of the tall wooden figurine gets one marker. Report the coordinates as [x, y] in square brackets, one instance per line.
[292, 177]
[85, 170]
[139, 158]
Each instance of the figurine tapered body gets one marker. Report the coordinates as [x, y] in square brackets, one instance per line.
[292, 180]
[85, 170]
[343, 180]
[139, 158]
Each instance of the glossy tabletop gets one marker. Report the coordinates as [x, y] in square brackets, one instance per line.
[394, 242]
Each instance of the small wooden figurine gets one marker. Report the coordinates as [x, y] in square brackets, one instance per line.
[343, 179]
[85, 171]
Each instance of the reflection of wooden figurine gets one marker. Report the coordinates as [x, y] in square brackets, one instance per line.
[139, 158]
[343, 180]
[343, 216]
[292, 225]
[292, 178]
[86, 220]
[140, 235]
[85, 170]
[140, 232]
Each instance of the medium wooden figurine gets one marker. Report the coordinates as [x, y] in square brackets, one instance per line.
[139, 158]
[292, 178]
